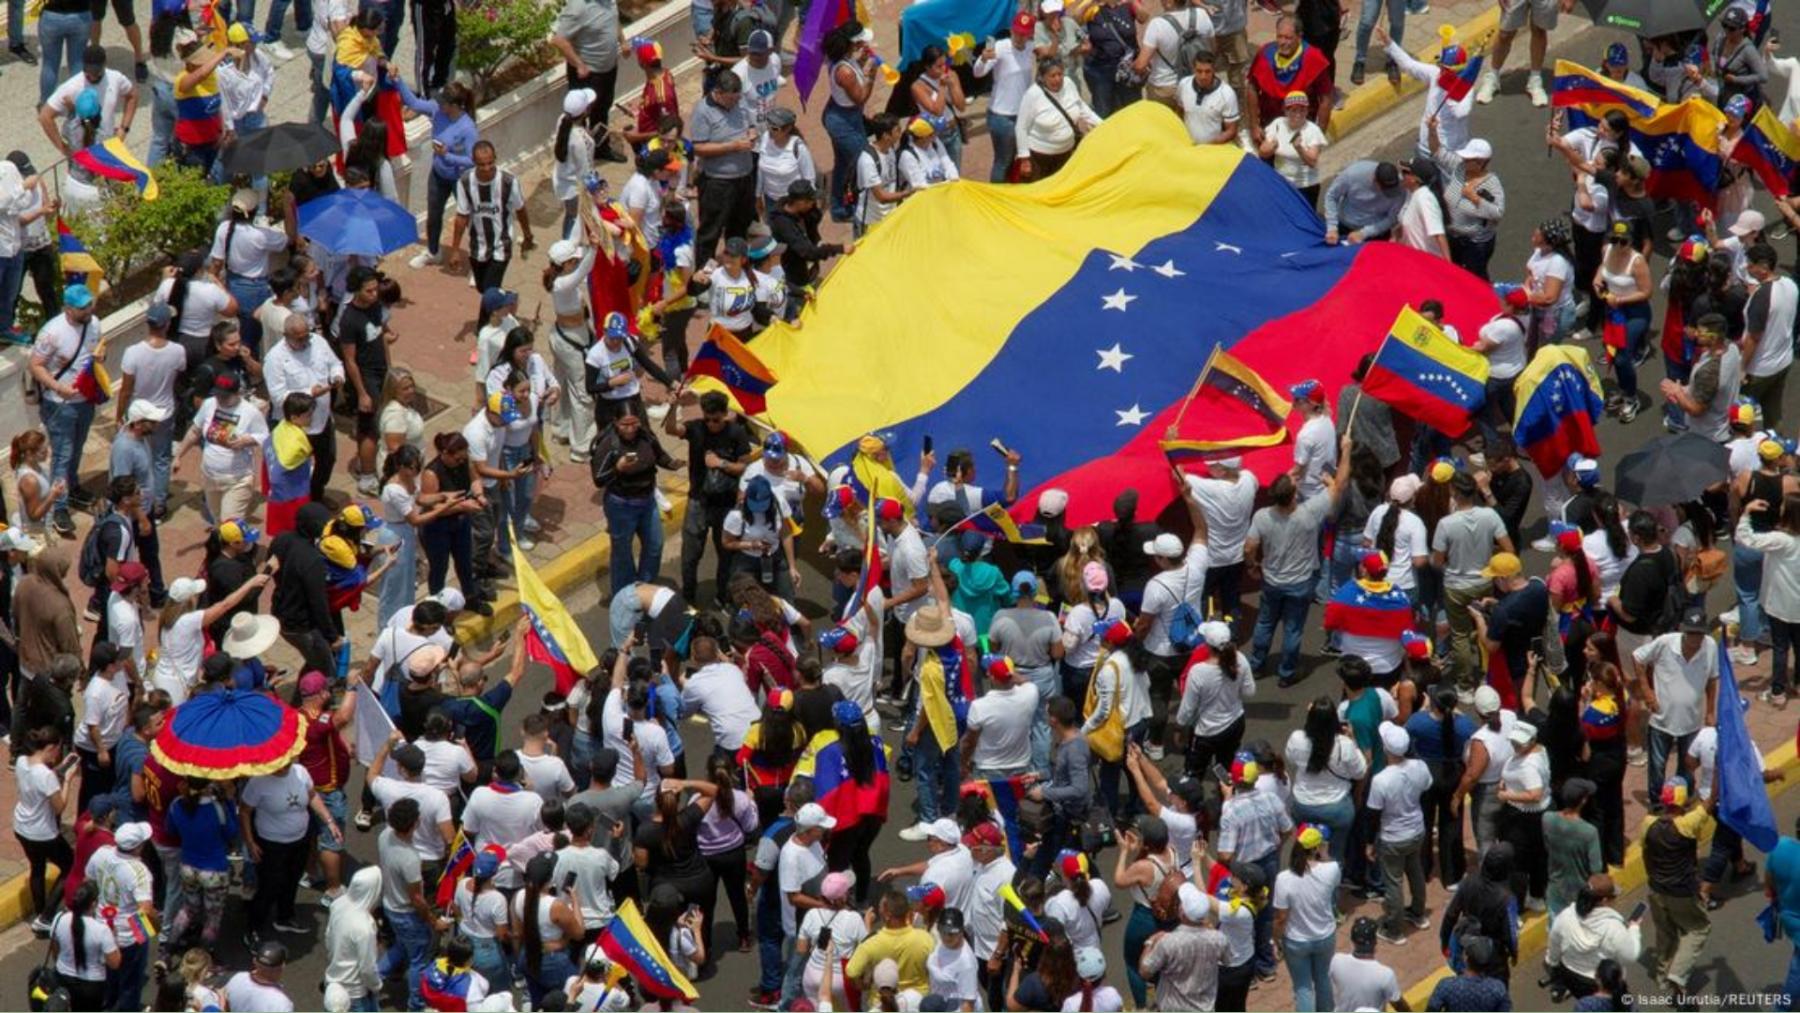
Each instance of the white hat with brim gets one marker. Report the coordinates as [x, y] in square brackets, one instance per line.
[16, 540]
[945, 830]
[930, 627]
[1522, 733]
[1748, 223]
[250, 635]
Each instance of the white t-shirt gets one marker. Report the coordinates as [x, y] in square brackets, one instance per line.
[1227, 507]
[112, 90]
[760, 83]
[1362, 983]
[1163, 34]
[1410, 542]
[798, 864]
[1083, 924]
[392, 647]
[445, 764]
[33, 819]
[105, 703]
[789, 486]
[180, 654]
[925, 165]
[280, 801]
[154, 372]
[96, 942]
[652, 742]
[1168, 589]
[1507, 358]
[1078, 627]
[479, 914]
[1544, 265]
[218, 426]
[245, 993]
[1315, 451]
[847, 930]
[718, 690]
[1680, 682]
[397, 503]
[907, 561]
[503, 818]
[203, 306]
[759, 529]
[1309, 901]
[1422, 221]
[1394, 793]
[642, 196]
[952, 973]
[594, 867]
[547, 775]
[1106, 999]
[434, 808]
[1206, 115]
[1775, 352]
[875, 168]
[1528, 772]
[1004, 718]
[125, 627]
[1344, 766]
[485, 443]
[1705, 751]
[1608, 566]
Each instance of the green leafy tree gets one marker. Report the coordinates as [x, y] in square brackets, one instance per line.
[126, 233]
[490, 34]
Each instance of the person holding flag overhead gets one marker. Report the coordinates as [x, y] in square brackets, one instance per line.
[1448, 97]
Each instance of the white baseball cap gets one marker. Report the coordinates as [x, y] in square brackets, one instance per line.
[141, 410]
[16, 540]
[563, 251]
[945, 830]
[812, 816]
[576, 102]
[450, 598]
[1487, 700]
[1165, 545]
[1476, 148]
[1394, 738]
[1194, 904]
[185, 589]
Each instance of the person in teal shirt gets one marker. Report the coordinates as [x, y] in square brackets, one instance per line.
[981, 588]
[1362, 711]
[1782, 878]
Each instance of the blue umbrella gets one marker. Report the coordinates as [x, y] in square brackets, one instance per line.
[357, 222]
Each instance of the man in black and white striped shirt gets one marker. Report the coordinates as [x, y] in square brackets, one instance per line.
[487, 201]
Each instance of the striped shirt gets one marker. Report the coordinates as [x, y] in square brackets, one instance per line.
[490, 208]
[1251, 824]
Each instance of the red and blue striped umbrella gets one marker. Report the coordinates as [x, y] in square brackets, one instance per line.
[225, 734]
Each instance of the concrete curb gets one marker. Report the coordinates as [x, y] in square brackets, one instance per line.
[15, 897]
[1534, 932]
[586, 559]
[1377, 97]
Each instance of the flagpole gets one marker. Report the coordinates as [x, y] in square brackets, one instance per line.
[1194, 391]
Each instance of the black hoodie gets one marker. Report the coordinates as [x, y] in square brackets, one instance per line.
[299, 601]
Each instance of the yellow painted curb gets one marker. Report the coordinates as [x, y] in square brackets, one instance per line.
[585, 560]
[15, 896]
[1377, 97]
[1534, 931]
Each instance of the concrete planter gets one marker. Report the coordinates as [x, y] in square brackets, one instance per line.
[521, 124]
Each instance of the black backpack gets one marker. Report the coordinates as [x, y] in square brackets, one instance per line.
[92, 567]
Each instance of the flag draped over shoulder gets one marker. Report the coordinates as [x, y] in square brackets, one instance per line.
[1771, 150]
[1559, 404]
[1743, 798]
[554, 639]
[1369, 609]
[628, 941]
[1681, 141]
[836, 788]
[287, 475]
[1426, 376]
[945, 690]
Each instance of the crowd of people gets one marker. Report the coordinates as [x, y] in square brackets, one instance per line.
[1051, 702]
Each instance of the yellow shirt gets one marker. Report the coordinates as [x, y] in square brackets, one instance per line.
[353, 50]
[908, 947]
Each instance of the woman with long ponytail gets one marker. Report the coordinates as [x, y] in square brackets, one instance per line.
[241, 252]
[1081, 902]
[547, 925]
[1439, 736]
[85, 949]
[1574, 580]
[405, 510]
[1325, 764]
[854, 839]
[1607, 545]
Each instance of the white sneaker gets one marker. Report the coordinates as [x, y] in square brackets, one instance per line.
[1490, 84]
[532, 526]
[278, 51]
[368, 485]
[1545, 544]
[1153, 751]
[526, 543]
[663, 506]
[1730, 616]
[915, 833]
[658, 412]
[1534, 86]
[423, 259]
[1534, 904]
[1743, 654]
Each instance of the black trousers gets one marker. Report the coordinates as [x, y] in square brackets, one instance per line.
[727, 207]
[41, 855]
[605, 84]
[1205, 750]
[1234, 987]
[315, 651]
[701, 524]
[488, 273]
[1443, 834]
[730, 873]
[277, 881]
[41, 268]
[1589, 248]
[850, 850]
[1606, 808]
[1224, 594]
[434, 43]
[1472, 255]
[324, 448]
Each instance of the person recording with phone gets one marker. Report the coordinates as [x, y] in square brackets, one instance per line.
[625, 460]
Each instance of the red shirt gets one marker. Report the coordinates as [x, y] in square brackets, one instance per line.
[88, 839]
[161, 787]
[1273, 85]
[325, 757]
[658, 100]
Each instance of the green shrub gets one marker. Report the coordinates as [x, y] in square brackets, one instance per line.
[492, 33]
[126, 233]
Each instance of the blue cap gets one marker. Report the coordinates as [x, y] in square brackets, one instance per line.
[614, 325]
[1738, 106]
[486, 864]
[758, 494]
[87, 104]
[970, 543]
[78, 296]
[775, 444]
[505, 406]
[495, 299]
[846, 712]
[1024, 581]
[159, 314]
[1617, 56]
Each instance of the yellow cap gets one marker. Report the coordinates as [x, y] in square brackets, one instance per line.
[237, 33]
[1503, 564]
[919, 126]
[337, 551]
[1768, 450]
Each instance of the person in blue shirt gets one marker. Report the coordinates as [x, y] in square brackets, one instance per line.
[128, 760]
[1475, 989]
[453, 137]
[1439, 735]
[204, 823]
[477, 712]
[1781, 879]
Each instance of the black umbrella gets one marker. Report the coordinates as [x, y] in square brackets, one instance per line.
[1648, 19]
[1670, 469]
[280, 148]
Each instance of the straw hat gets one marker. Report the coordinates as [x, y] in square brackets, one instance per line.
[250, 635]
[930, 627]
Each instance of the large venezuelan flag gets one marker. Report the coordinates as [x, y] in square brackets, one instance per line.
[1680, 141]
[1427, 376]
[843, 796]
[1771, 149]
[631, 945]
[1071, 316]
[1558, 405]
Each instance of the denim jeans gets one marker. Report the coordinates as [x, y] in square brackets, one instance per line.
[624, 614]
[939, 770]
[162, 455]
[400, 584]
[1110, 772]
[1139, 927]
[1346, 549]
[12, 279]
[1309, 963]
[15, 23]
[769, 937]
[1288, 605]
[125, 984]
[245, 124]
[1337, 815]
[628, 518]
[278, 9]
[1637, 324]
[844, 125]
[1746, 577]
[491, 961]
[1365, 26]
[1661, 746]
[162, 122]
[249, 293]
[1000, 130]
[1792, 986]
[1109, 96]
[412, 946]
[554, 969]
[61, 38]
[1048, 684]
[67, 424]
[520, 493]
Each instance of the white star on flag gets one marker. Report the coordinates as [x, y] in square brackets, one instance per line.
[1133, 416]
[1117, 301]
[1169, 270]
[1113, 358]
[1123, 263]
[1222, 247]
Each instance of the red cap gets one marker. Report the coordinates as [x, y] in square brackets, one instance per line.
[1374, 563]
[1569, 541]
[984, 834]
[781, 699]
[889, 510]
[1518, 298]
[1116, 634]
[1024, 23]
[131, 574]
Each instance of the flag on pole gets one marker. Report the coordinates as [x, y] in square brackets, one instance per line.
[726, 359]
[1023, 913]
[1228, 377]
[1743, 798]
[1422, 373]
[1771, 150]
[111, 159]
[994, 522]
[1233, 377]
[1458, 81]
[553, 639]
[627, 939]
[870, 576]
[77, 263]
[462, 858]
